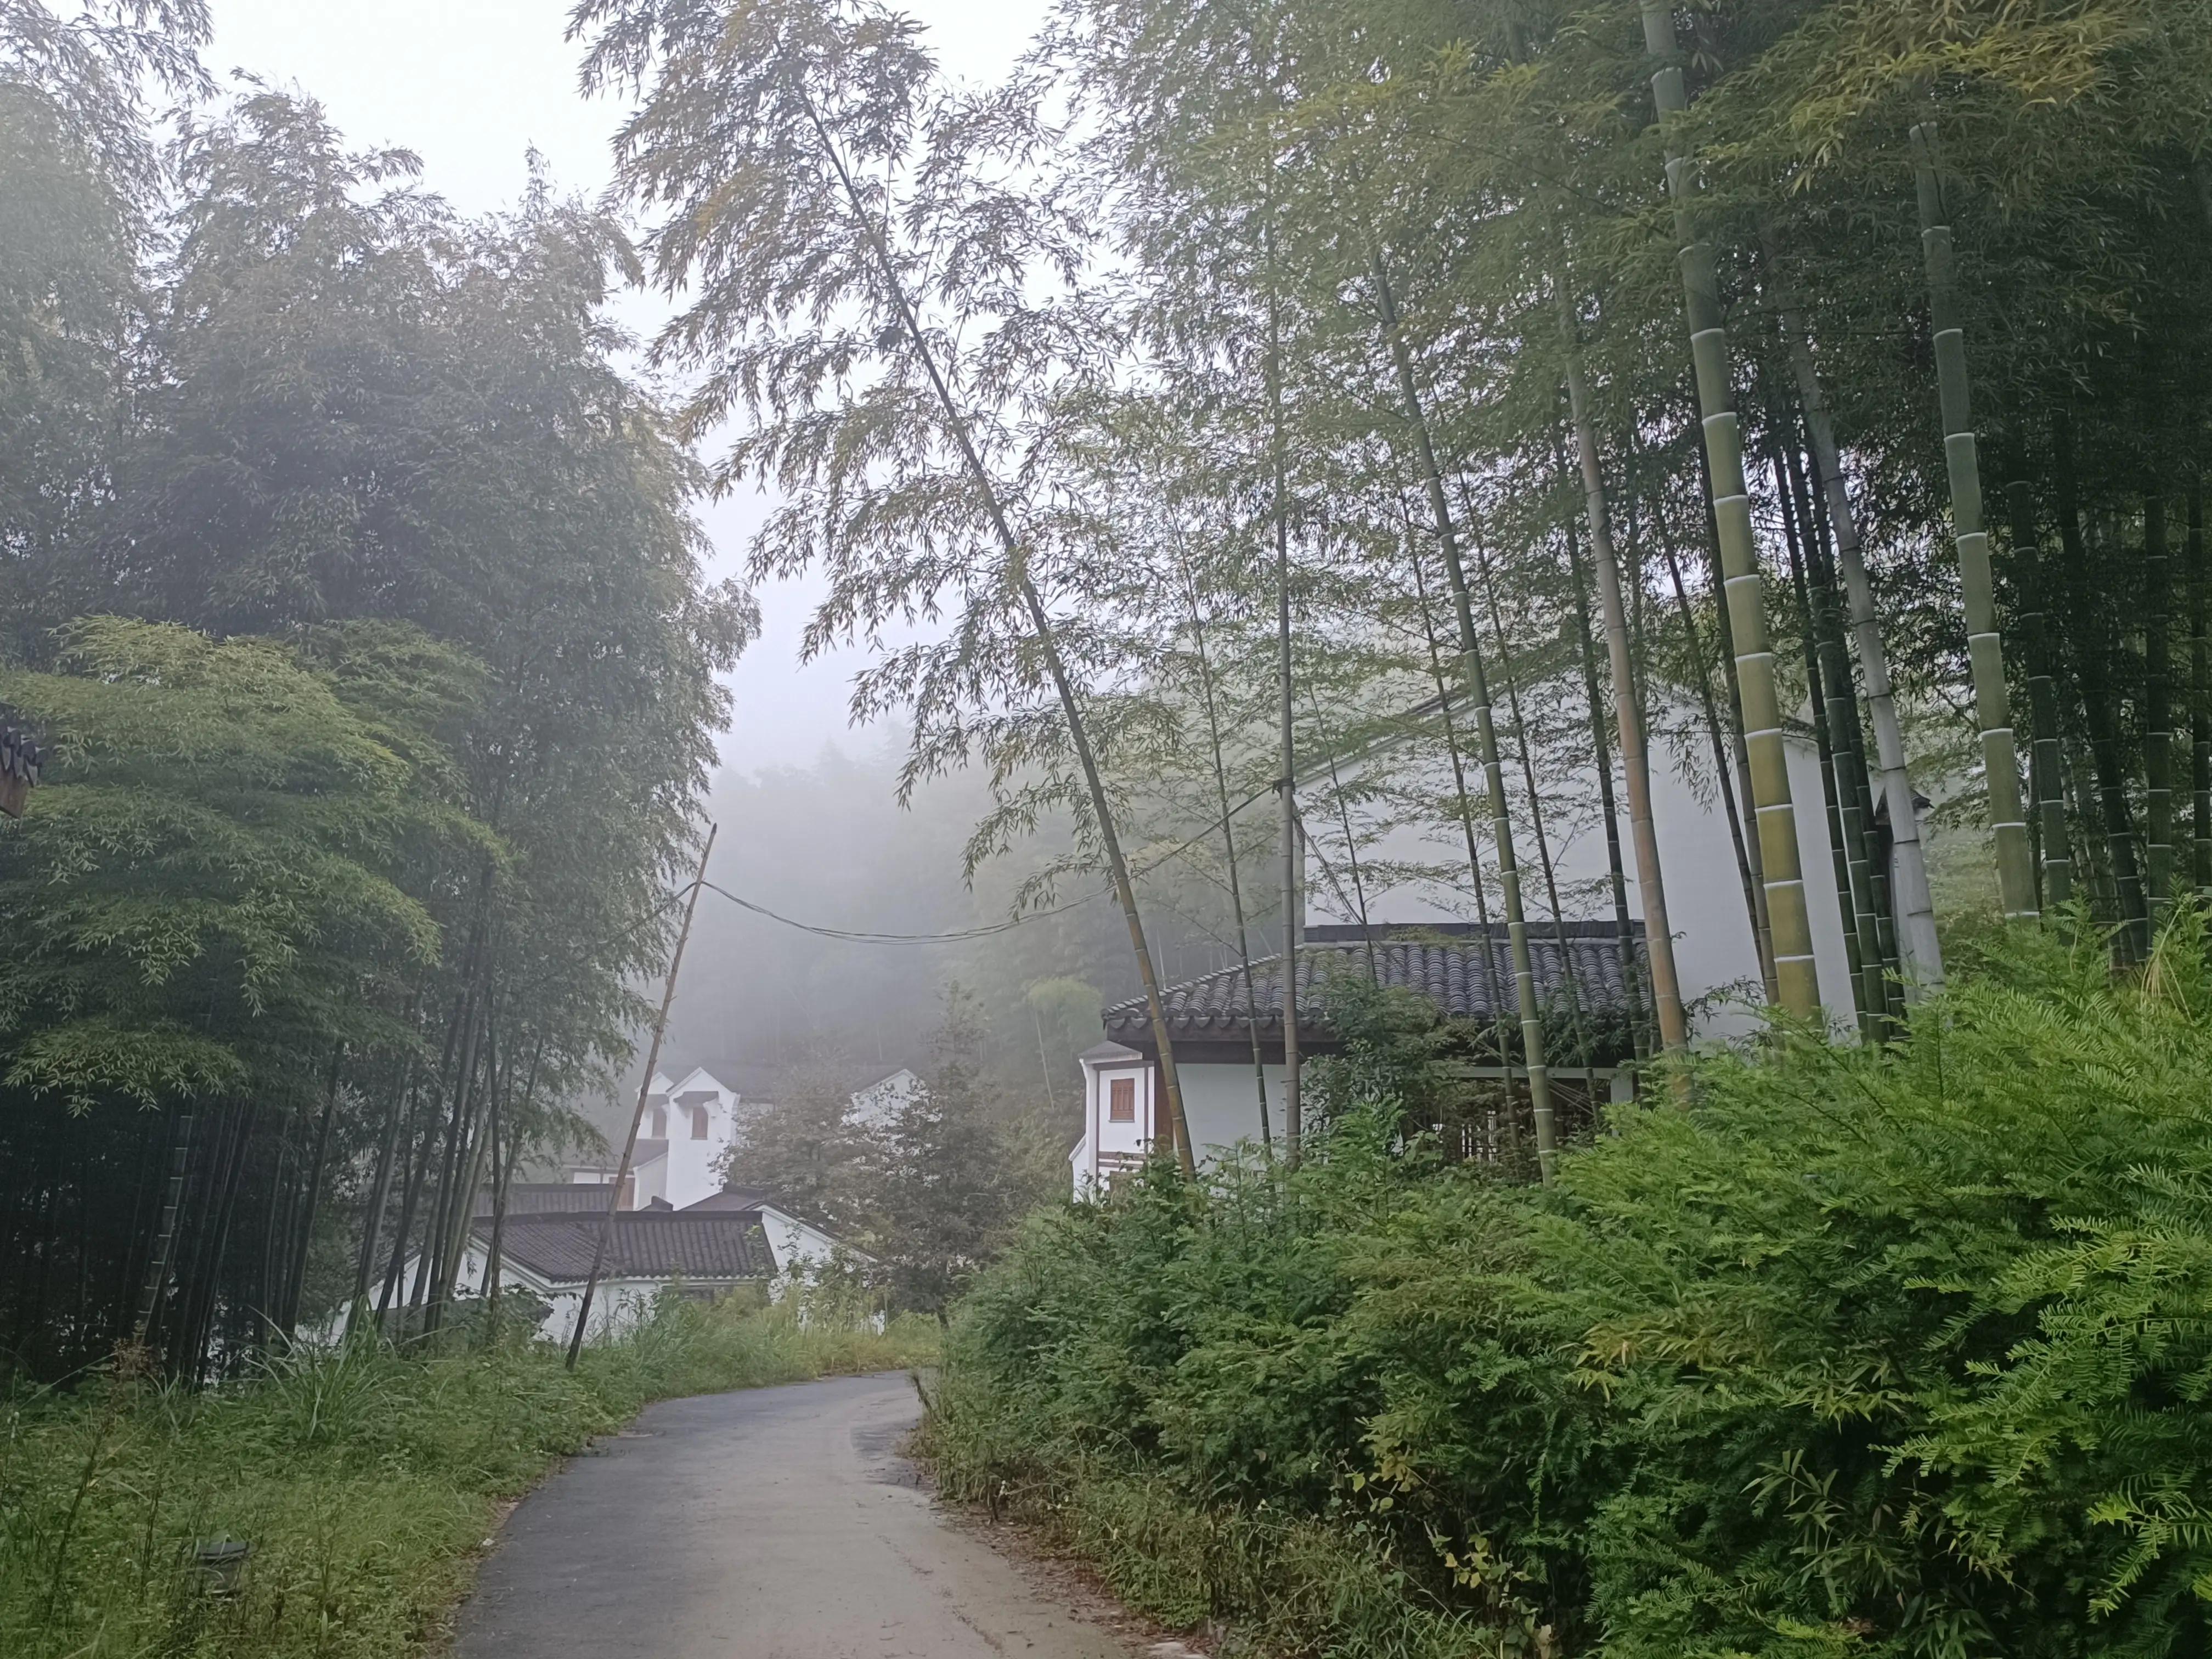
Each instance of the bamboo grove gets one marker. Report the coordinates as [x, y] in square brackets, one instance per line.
[357, 597]
[1450, 413]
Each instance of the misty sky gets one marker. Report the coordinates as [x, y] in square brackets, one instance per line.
[470, 86]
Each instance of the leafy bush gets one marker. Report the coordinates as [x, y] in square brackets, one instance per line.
[1900, 1352]
[363, 1479]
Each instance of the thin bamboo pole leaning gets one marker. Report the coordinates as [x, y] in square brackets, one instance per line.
[1628, 715]
[1463, 806]
[1635, 762]
[1920, 955]
[158, 1260]
[1846, 833]
[637, 1113]
[1632, 977]
[1287, 783]
[1509, 868]
[1838, 712]
[1797, 982]
[1985, 660]
[1229, 852]
[1078, 732]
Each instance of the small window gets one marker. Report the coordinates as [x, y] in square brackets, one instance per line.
[1121, 1100]
[698, 1123]
[659, 1131]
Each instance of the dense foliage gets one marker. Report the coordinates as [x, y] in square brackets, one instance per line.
[1872, 1351]
[354, 590]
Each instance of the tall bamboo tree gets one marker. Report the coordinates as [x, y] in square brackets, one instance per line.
[1796, 975]
[1992, 700]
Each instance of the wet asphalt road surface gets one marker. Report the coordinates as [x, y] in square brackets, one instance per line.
[773, 1524]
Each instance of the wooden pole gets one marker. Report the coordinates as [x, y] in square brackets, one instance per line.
[637, 1116]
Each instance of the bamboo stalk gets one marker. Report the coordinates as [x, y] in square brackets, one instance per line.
[1635, 762]
[1494, 978]
[1286, 783]
[1798, 985]
[1985, 660]
[164, 1234]
[2158, 706]
[2093, 631]
[2200, 695]
[1919, 954]
[1567, 976]
[1478, 687]
[2046, 757]
[1719, 742]
[1632, 979]
[1010, 545]
[1849, 896]
[1229, 852]
[1846, 763]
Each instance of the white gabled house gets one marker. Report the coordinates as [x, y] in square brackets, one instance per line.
[689, 1126]
[1461, 966]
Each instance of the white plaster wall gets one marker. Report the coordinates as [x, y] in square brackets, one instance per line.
[1223, 1105]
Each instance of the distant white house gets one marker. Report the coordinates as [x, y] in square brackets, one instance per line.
[728, 1240]
[675, 1223]
[875, 1105]
[691, 1124]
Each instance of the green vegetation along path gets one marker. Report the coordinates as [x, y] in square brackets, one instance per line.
[771, 1522]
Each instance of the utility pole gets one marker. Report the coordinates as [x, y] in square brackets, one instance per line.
[637, 1116]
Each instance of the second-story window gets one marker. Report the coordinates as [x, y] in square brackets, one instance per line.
[659, 1129]
[698, 1123]
[1121, 1100]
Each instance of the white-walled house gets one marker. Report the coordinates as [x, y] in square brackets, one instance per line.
[727, 1241]
[689, 1125]
[1461, 966]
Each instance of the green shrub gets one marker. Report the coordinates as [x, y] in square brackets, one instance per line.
[364, 1479]
[1899, 1352]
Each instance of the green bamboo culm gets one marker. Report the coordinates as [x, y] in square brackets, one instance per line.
[1986, 660]
[1485, 730]
[2158, 707]
[2046, 761]
[1796, 978]
[2200, 695]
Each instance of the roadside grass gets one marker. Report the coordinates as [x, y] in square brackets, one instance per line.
[366, 1481]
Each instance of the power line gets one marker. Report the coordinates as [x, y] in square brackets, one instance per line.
[1418, 713]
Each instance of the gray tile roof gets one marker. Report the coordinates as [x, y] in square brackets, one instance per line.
[547, 1198]
[1462, 968]
[702, 1247]
[734, 1198]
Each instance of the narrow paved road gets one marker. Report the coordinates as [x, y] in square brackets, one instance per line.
[774, 1523]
